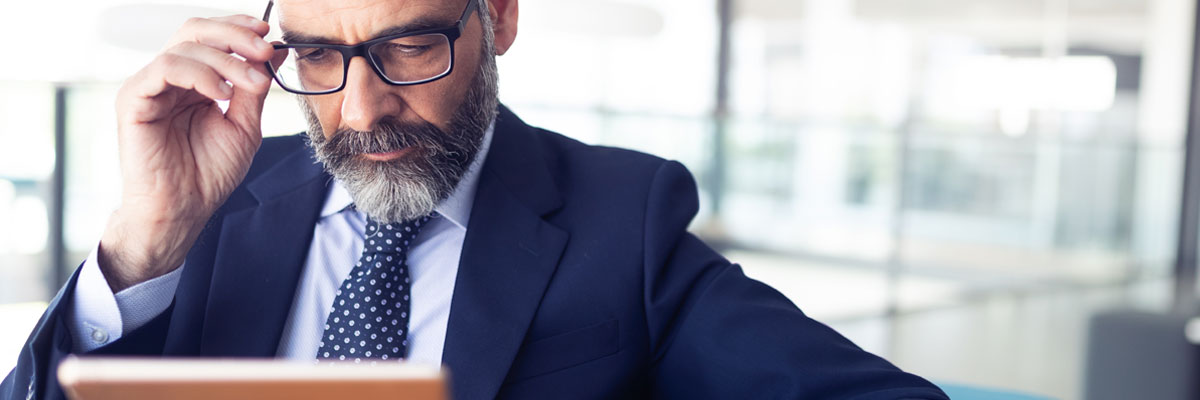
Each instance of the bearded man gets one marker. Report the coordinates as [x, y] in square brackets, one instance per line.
[418, 220]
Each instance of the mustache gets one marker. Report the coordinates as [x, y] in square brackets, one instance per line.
[433, 145]
[388, 135]
[391, 135]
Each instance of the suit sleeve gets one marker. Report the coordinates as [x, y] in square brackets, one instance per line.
[35, 376]
[719, 334]
[100, 316]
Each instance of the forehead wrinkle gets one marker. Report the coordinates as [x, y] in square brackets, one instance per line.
[358, 22]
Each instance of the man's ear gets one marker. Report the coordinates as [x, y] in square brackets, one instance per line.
[504, 23]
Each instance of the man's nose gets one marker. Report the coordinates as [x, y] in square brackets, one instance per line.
[366, 98]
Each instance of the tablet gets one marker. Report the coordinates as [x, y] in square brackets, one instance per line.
[90, 378]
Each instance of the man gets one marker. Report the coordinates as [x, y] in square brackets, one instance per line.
[435, 227]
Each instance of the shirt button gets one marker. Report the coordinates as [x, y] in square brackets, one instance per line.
[99, 336]
[29, 390]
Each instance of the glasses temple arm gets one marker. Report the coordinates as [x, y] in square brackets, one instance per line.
[267, 14]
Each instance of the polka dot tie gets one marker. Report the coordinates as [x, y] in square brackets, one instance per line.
[369, 319]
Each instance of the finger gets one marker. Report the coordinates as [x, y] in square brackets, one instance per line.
[279, 56]
[246, 107]
[172, 70]
[259, 26]
[226, 37]
[276, 62]
[232, 69]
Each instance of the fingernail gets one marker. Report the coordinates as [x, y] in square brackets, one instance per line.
[225, 89]
[256, 77]
[262, 44]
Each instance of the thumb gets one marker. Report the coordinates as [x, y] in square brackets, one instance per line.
[246, 105]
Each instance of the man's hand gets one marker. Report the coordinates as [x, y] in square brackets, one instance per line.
[181, 157]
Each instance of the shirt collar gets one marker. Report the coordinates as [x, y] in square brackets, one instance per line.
[456, 208]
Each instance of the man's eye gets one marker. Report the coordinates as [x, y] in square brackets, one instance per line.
[315, 56]
[405, 50]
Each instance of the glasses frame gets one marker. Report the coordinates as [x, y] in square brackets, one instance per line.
[452, 33]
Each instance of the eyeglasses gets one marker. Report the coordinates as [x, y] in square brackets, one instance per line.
[409, 58]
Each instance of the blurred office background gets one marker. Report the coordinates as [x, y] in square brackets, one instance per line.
[957, 185]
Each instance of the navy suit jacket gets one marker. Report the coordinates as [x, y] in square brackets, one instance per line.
[578, 279]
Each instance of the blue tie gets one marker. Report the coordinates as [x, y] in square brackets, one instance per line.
[369, 319]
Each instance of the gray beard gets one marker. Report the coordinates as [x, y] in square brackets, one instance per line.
[412, 186]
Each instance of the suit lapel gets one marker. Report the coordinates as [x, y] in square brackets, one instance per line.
[259, 260]
[509, 255]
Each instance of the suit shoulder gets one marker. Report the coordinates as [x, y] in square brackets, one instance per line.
[271, 153]
[275, 149]
[622, 178]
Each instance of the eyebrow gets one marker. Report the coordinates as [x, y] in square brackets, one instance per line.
[419, 24]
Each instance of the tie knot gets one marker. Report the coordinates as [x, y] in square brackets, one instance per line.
[392, 237]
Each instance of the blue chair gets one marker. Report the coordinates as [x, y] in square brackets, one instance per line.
[961, 392]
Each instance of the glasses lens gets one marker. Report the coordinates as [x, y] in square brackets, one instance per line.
[413, 58]
[308, 69]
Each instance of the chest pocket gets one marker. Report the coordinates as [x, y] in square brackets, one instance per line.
[565, 350]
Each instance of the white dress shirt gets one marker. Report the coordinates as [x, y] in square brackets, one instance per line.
[99, 316]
